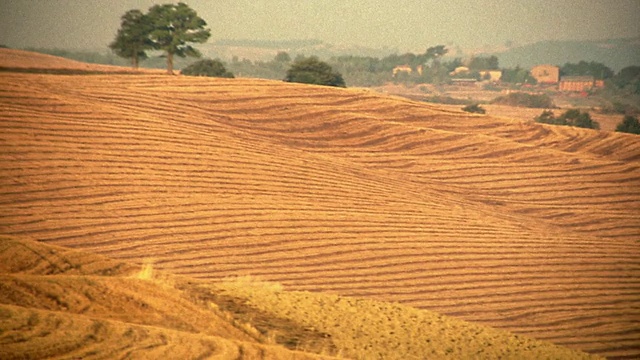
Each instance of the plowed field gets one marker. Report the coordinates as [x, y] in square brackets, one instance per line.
[512, 224]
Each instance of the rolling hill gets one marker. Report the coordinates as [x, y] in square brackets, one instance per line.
[524, 227]
[61, 303]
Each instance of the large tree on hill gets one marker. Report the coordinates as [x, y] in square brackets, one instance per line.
[174, 27]
[132, 40]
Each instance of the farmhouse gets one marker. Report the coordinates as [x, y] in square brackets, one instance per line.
[579, 83]
[402, 68]
[546, 74]
[492, 75]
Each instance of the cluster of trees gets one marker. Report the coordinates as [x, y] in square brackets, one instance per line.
[370, 71]
[597, 70]
[577, 118]
[571, 117]
[373, 71]
[304, 70]
[170, 28]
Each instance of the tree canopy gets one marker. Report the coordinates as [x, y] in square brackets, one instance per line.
[629, 124]
[313, 71]
[595, 69]
[207, 67]
[132, 40]
[170, 28]
[484, 63]
[175, 26]
[628, 78]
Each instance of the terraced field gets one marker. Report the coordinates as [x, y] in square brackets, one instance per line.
[524, 227]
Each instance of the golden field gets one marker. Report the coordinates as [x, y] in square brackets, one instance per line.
[520, 226]
[61, 303]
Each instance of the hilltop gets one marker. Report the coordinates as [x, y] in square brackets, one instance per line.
[15, 60]
[615, 53]
[521, 226]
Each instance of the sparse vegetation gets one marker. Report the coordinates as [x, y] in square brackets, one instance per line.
[447, 100]
[207, 67]
[541, 101]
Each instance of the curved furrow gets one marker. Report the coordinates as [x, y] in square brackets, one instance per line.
[518, 225]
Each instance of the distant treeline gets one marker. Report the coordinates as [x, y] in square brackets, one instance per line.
[375, 71]
[267, 44]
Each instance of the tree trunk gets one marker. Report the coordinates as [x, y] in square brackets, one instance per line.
[134, 62]
[169, 63]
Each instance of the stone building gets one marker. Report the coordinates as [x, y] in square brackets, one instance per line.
[546, 74]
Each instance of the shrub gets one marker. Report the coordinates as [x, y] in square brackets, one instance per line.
[541, 101]
[629, 125]
[207, 67]
[313, 71]
[446, 100]
[572, 117]
[474, 108]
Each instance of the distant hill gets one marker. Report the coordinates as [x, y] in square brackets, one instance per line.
[615, 53]
[265, 50]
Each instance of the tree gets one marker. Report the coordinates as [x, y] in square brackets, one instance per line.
[630, 125]
[436, 52]
[628, 78]
[175, 26]
[517, 75]
[282, 57]
[484, 63]
[207, 67]
[132, 40]
[313, 71]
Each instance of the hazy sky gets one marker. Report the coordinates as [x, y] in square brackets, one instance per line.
[408, 25]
